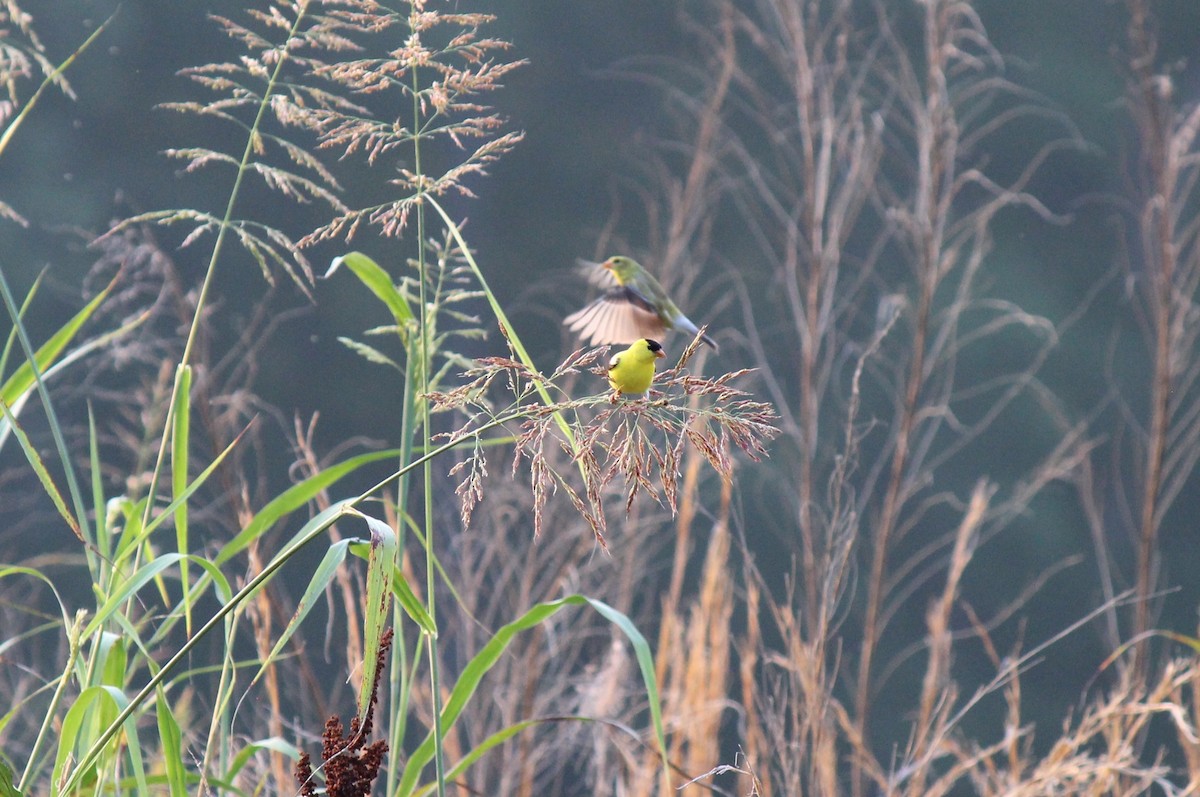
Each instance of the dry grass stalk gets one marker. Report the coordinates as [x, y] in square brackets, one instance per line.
[868, 136]
[694, 662]
[938, 691]
[1165, 267]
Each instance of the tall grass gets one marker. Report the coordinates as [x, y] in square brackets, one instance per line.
[858, 157]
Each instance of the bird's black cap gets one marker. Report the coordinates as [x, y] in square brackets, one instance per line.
[653, 345]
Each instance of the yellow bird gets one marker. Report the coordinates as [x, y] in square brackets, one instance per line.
[631, 371]
[633, 306]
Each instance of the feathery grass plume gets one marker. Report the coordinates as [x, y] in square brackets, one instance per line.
[1163, 261]
[269, 93]
[444, 64]
[22, 58]
[635, 443]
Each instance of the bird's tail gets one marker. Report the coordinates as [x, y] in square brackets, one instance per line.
[685, 323]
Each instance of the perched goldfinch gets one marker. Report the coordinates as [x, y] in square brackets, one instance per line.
[633, 307]
[630, 372]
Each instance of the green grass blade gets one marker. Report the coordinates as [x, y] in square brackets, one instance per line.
[243, 756]
[172, 745]
[313, 591]
[411, 604]
[645, 662]
[129, 542]
[491, 742]
[73, 737]
[11, 340]
[307, 534]
[7, 787]
[180, 436]
[294, 498]
[34, 362]
[101, 539]
[471, 676]
[509, 331]
[49, 80]
[401, 592]
[377, 280]
[39, 467]
[380, 566]
[23, 378]
[66, 360]
[128, 588]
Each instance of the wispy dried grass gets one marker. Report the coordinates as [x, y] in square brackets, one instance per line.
[872, 207]
[1164, 272]
[637, 443]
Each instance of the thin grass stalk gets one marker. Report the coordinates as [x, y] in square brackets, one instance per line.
[1158, 221]
[401, 682]
[937, 689]
[427, 434]
[48, 718]
[80, 525]
[220, 730]
[933, 134]
[218, 246]
[48, 81]
[262, 619]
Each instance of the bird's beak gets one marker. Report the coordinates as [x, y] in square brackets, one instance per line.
[607, 264]
[660, 354]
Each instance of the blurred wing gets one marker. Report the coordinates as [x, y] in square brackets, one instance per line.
[618, 317]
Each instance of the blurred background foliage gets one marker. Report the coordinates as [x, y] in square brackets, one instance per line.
[599, 101]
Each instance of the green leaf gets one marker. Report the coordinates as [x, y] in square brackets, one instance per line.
[39, 467]
[7, 788]
[372, 275]
[172, 745]
[179, 478]
[295, 497]
[378, 611]
[22, 379]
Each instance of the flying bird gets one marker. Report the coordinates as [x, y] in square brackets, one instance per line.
[633, 307]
